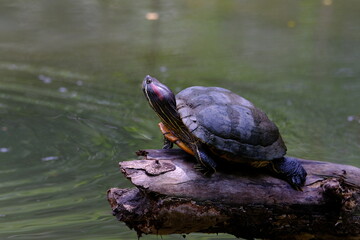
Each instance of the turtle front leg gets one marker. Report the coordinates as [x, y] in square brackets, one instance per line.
[167, 144]
[206, 164]
[170, 138]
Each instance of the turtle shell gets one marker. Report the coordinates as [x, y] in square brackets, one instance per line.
[230, 125]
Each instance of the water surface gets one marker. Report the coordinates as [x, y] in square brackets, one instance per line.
[71, 105]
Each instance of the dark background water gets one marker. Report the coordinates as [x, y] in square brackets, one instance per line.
[71, 105]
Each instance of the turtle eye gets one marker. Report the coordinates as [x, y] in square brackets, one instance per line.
[148, 80]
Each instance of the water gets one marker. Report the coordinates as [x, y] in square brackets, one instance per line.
[71, 106]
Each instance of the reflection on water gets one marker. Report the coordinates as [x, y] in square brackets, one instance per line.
[71, 105]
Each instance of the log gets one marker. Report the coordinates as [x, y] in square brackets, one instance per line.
[172, 198]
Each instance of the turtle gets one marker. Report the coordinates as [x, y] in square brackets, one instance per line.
[216, 125]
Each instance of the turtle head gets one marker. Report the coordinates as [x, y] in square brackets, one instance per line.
[159, 96]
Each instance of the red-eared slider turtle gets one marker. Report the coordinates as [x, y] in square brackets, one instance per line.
[215, 124]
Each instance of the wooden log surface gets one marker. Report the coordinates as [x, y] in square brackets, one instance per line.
[171, 197]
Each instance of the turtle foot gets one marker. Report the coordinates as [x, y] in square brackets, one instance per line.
[290, 169]
[204, 170]
[167, 144]
[297, 180]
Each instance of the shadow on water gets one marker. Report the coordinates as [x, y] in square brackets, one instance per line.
[71, 105]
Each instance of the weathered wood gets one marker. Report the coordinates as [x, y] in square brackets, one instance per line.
[171, 197]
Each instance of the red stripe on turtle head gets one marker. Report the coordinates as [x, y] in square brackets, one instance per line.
[155, 86]
[157, 91]
[160, 97]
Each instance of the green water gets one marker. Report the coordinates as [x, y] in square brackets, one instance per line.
[71, 105]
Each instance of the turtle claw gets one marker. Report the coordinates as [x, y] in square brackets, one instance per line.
[297, 181]
[295, 184]
[204, 170]
[167, 144]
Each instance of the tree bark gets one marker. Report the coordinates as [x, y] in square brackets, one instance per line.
[171, 197]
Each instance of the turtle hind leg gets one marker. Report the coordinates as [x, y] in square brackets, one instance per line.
[206, 164]
[289, 169]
